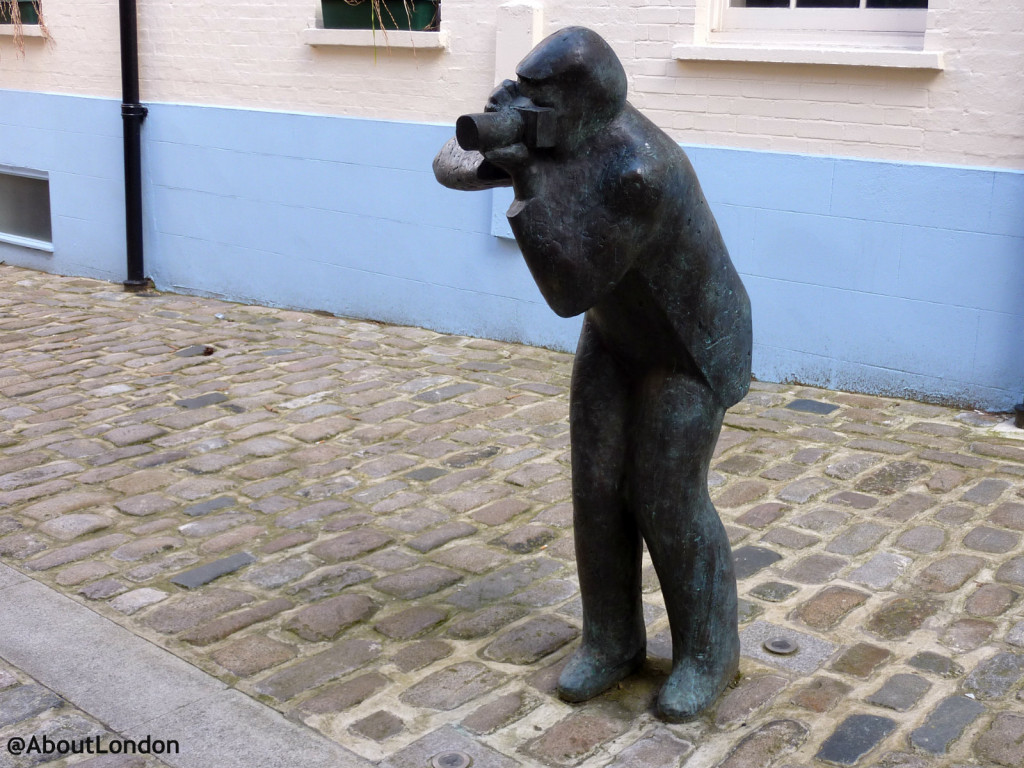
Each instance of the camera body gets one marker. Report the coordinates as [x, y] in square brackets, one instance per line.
[521, 121]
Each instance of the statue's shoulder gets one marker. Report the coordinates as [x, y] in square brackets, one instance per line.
[637, 170]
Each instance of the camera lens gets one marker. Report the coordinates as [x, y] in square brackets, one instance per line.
[489, 130]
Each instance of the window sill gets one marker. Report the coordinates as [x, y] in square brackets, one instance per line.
[368, 38]
[776, 54]
[26, 242]
[27, 30]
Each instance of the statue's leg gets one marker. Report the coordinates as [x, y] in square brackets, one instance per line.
[608, 544]
[679, 420]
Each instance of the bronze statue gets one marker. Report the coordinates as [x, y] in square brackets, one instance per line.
[612, 222]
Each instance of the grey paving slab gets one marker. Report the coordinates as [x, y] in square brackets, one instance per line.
[139, 689]
[811, 651]
[109, 672]
[445, 741]
[9, 577]
[230, 730]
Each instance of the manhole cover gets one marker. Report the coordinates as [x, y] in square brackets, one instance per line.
[451, 760]
[780, 645]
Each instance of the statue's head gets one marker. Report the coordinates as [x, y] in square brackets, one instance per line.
[576, 73]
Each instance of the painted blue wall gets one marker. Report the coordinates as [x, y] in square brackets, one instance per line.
[883, 277]
[879, 277]
[331, 213]
[77, 143]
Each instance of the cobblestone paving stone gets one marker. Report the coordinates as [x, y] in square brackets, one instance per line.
[43, 720]
[368, 527]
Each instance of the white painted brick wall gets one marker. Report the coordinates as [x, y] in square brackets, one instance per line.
[251, 54]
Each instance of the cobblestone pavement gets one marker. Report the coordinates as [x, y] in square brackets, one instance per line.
[368, 527]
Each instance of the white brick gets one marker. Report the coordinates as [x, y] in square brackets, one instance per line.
[821, 129]
[800, 110]
[901, 97]
[858, 113]
[749, 125]
[897, 135]
[715, 123]
[250, 55]
[782, 90]
[897, 116]
[655, 84]
[791, 144]
[659, 15]
[833, 92]
[657, 49]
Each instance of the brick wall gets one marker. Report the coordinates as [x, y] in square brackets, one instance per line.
[251, 54]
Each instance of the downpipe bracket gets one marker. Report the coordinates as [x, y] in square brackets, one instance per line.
[137, 111]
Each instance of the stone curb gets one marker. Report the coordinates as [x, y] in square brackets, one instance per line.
[138, 689]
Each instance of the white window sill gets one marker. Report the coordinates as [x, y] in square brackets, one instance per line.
[27, 30]
[368, 38]
[776, 54]
[26, 242]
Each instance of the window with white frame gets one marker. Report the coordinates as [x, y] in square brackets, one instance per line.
[896, 24]
[25, 208]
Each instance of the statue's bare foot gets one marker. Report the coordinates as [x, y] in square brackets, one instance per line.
[694, 685]
[590, 672]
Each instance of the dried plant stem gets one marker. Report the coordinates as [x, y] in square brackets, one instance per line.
[377, 16]
[12, 10]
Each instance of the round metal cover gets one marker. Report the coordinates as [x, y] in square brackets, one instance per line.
[451, 760]
[780, 645]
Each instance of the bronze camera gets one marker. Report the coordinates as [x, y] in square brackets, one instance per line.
[520, 122]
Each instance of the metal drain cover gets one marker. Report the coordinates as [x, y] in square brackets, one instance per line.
[451, 760]
[780, 645]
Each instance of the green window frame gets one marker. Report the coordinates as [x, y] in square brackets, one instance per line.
[28, 12]
[415, 15]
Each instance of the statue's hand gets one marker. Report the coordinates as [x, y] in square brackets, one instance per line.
[502, 96]
[514, 159]
[511, 159]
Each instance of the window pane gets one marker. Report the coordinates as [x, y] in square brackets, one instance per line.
[27, 9]
[25, 207]
[897, 3]
[828, 3]
[759, 3]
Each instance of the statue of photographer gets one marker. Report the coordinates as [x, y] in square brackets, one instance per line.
[612, 222]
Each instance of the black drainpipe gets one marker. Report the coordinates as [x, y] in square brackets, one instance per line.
[133, 114]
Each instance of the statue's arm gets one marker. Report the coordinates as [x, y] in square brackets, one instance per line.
[467, 170]
[577, 254]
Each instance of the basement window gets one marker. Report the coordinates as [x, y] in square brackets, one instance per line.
[25, 209]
